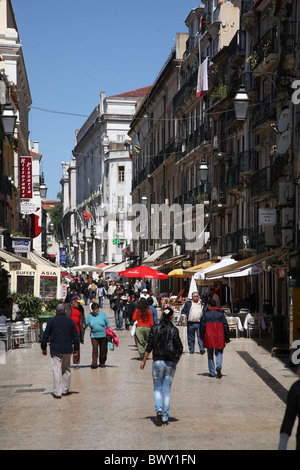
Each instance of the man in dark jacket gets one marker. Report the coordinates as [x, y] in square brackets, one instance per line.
[62, 333]
[214, 332]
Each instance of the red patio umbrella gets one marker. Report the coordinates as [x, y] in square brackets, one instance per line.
[144, 272]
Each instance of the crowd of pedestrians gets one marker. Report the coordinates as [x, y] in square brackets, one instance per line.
[135, 307]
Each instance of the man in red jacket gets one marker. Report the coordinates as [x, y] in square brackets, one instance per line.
[214, 332]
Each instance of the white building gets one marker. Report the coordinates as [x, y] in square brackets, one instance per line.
[98, 182]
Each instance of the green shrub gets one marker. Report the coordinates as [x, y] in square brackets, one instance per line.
[29, 306]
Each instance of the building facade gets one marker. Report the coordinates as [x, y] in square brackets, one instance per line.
[97, 183]
[245, 129]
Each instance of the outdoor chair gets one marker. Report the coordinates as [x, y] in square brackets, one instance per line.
[5, 336]
[254, 324]
[233, 325]
[20, 332]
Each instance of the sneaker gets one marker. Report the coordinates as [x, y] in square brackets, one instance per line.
[165, 423]
[219, 373]
[202, 351]
[159, 418]
[56, 396]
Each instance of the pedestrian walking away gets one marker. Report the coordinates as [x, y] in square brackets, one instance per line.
[144, 319]
[214, 332]
[291, 412]
[63, 336]
[192, 312]
[166, 346]
[101, 292]
[75, 311]
[98, 322]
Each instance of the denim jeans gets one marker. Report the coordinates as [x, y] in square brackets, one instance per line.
[119, 318]
[192, 330]
[210, 358]
[162, 374]
[100, 301]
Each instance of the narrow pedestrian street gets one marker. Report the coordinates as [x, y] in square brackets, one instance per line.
[113, 409]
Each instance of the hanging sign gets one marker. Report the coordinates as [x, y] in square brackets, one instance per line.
[27, 207]
[25, 177]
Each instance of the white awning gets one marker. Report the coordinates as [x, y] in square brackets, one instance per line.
[243, 265]
[157, 254]
[115, 268]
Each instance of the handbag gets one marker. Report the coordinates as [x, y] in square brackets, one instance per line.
[110, 345]
[133, 328]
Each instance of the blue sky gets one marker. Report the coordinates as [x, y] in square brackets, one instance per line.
[75, 49]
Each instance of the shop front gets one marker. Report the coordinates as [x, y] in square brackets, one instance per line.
[33, 275]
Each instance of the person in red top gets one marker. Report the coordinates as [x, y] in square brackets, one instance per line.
[75, 311]
[214, 332]
[143, 316]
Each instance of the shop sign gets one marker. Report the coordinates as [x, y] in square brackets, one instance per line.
[186, 264]
[25, 177]
[25, 273]
[267, 217]
[21, 246]
[49, 274]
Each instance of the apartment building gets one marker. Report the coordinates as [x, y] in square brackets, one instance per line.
[96, 184]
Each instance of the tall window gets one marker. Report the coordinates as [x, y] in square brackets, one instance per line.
[121, 174]
[120, 202]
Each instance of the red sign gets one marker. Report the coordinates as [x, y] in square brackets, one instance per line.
[25, 177]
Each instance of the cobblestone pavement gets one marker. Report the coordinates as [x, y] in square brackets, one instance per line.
[113, 408]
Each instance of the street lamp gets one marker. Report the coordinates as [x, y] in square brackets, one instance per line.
[241, 102]
[203, 170]
[43, 187]
[8, 120]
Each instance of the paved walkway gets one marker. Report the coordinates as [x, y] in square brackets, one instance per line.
[112, 408]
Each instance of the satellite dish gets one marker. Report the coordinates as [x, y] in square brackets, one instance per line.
[284, 142]
[284, 120]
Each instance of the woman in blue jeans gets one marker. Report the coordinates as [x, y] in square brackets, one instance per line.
[161, 337]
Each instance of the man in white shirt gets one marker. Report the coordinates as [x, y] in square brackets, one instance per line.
[192, 311]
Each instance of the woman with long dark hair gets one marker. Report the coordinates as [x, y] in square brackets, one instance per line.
[143, 316]
[167, 349]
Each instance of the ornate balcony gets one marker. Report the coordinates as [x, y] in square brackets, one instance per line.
[248, 162]
[264, 48]
[261, 183]
[185, 91]
[264, 113]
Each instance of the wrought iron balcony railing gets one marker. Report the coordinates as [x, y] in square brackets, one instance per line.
[264, 112]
